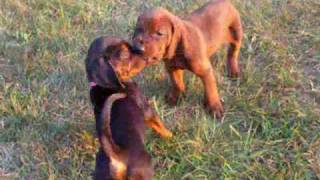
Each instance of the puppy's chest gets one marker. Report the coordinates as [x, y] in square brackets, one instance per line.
[179, 61]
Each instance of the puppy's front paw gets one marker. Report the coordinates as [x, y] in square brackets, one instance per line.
[234, 74]
[216, 110]
[172, 97]
[167, 134]
[157, 125]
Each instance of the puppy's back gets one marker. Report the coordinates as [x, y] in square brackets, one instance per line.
[127, 123]
[127, 130]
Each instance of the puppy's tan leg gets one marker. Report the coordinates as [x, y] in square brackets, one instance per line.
[152, 120]
[236, 34]
[157, 125]
[212, 99]
[176, 76]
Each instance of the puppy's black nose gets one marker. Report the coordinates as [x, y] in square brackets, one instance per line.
[138, 49]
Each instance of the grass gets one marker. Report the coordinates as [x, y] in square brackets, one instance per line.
[270, 131]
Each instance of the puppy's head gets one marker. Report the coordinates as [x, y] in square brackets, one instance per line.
[116, 63]
[124, 61]
[156, 34]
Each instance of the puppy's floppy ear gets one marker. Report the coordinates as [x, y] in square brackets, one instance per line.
[104, 75]
[121, 51]
[175, 37]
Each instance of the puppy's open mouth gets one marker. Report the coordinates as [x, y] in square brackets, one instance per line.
[152, 60]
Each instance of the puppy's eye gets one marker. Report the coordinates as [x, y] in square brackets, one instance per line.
[160, 33]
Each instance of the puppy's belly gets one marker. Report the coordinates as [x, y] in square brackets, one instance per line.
[178, 63]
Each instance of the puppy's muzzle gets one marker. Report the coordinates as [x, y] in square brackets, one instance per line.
[138, 47]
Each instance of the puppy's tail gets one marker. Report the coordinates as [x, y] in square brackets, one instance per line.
[107, 143]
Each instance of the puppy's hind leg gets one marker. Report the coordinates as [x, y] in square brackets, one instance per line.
[236, 34]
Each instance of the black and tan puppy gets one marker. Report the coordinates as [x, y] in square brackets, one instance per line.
[109, 63]
[188, 43]
[122, 154]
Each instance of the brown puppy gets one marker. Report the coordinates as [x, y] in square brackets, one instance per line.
[189, 43]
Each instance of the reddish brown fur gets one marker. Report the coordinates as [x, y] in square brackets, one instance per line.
[190, 42]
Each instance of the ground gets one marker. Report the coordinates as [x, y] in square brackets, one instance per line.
[271, 128]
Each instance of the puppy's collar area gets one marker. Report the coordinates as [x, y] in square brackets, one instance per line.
[92, 84]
